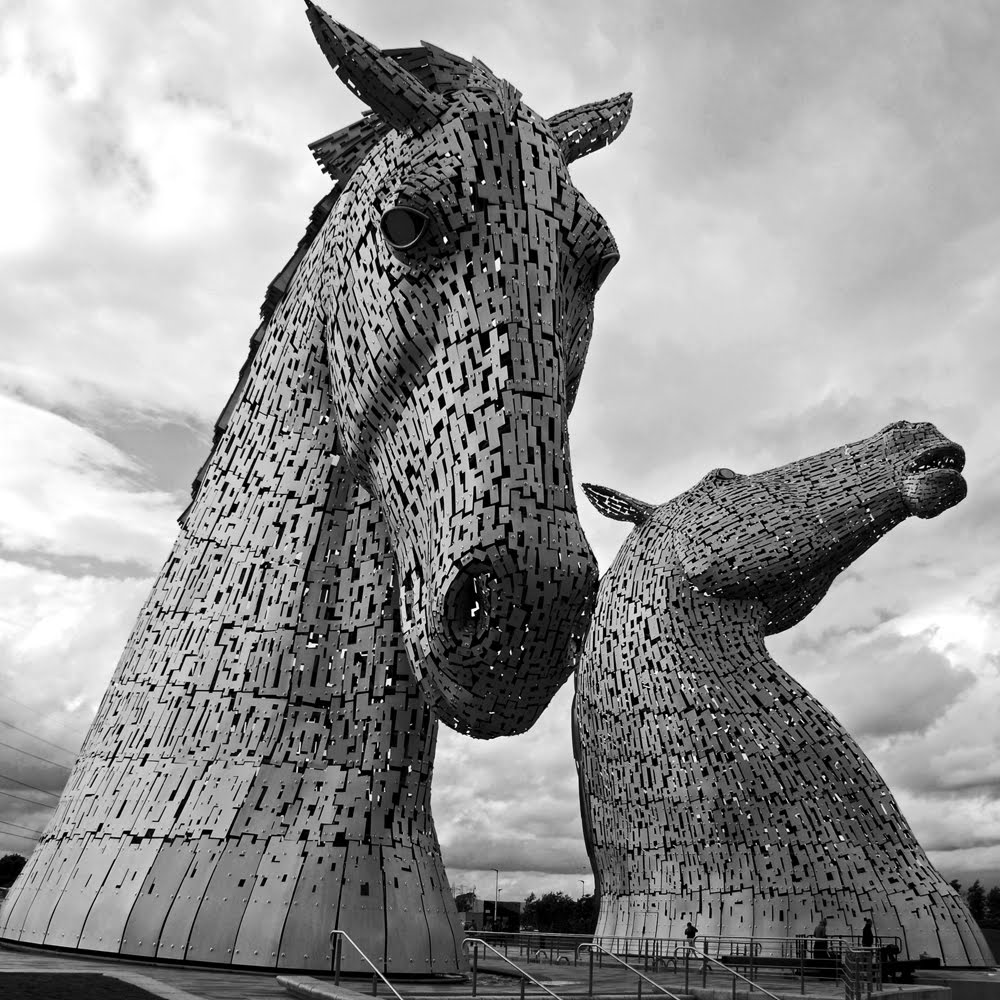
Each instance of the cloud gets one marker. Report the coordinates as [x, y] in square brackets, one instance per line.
[920, 691]
[883, 684]
[60, 639]
[957, 758]
[511, 802]
[809, 222]
[66, 491]
[150, 187]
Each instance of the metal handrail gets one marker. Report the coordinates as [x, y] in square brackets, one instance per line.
[720, 940]
[604, 951]
[766, 944]
[657, 956]
[476, 942]
[337, 955]
[701, 956]
[851, 971]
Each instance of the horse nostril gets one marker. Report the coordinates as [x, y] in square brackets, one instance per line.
[468, 605]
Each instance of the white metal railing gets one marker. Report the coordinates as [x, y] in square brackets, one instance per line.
[638, 946]
[642, 977]
[861, 971]
[338, 948]
[476, 942]
[702, 957]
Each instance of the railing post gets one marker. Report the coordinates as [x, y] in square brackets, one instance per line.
[475, 967]
[374, 985]
[704, 965]
[638, 990]
[337, 952]
[802, 969]
[590, 980]
[522, 987]
[750, 977]
[687, 970]
[734, 988]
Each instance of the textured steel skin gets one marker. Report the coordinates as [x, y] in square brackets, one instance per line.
[384, 534]
[714, 787]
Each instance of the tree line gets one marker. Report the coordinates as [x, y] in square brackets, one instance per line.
[557, 912]
[10, 868]
[984, 906]
[552, 912]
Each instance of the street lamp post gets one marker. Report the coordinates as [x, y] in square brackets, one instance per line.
[496, 899]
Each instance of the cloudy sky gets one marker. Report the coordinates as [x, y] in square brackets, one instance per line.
[808, 210]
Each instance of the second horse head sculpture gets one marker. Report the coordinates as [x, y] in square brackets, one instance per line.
[714, 786]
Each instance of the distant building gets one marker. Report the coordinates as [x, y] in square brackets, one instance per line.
[481, 916]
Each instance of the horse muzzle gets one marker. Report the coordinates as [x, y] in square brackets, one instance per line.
[500, 631]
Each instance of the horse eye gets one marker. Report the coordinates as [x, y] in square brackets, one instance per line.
[607, 262]
[725, 474]
[402, 227]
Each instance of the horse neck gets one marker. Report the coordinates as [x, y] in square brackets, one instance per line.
[712, 655]
[714, 720]
[271, 636]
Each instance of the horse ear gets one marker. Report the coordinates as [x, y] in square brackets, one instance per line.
[618, 506]
[591, 126]
[396, 96]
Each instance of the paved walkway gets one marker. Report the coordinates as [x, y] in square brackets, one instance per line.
[173, 982]
[169, 982]
[612, 980]
[72, 986]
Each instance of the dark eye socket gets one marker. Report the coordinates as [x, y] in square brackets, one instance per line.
[725, 474]
[606, 263]
[402, 227]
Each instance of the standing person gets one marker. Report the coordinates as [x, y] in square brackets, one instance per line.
[820, 946]
[868, 934]
[689, 932]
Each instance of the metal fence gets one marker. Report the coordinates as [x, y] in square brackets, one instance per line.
[861, 972]
[801, 957]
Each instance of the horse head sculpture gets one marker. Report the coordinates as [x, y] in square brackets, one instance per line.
[384, 534]
[459, 303]
[714, 787]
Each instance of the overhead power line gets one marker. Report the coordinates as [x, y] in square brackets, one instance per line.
[34, 802]
[45, 760]
[26, 784]
[4, 722]
[19, 836]
[30, 829]
[41, 715]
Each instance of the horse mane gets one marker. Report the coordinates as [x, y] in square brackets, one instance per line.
[339, 154]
